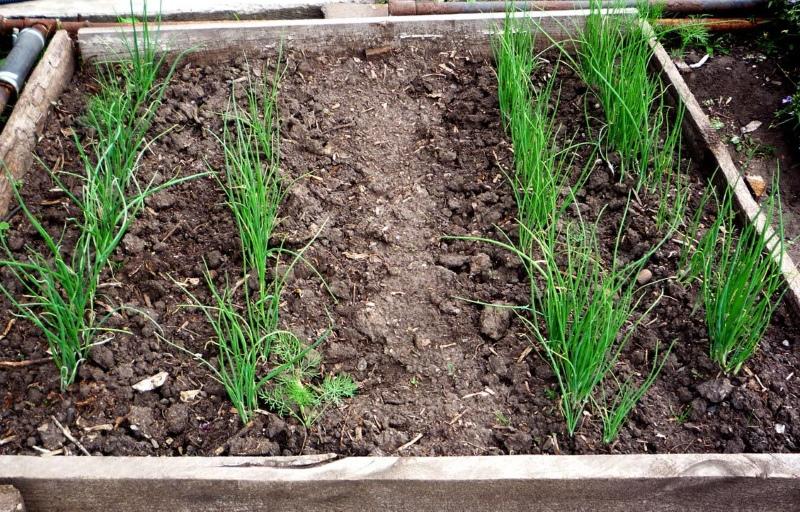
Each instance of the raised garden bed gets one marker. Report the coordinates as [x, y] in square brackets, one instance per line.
[392, 152]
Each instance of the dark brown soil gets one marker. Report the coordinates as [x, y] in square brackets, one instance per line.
[397, 153]
[747, 83]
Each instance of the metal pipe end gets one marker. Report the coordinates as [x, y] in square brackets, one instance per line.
[402, 7]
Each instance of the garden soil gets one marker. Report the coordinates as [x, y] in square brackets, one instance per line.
[745, 85]
[388, 158]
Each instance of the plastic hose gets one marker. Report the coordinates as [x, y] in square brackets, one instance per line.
[22, 57]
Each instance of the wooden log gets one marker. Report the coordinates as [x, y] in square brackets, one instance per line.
[48, 80]
[599, 483]
[328, 35]
[702, 135]
[10, 499]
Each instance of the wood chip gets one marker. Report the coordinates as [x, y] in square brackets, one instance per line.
[151, 383]
[376, 53]
[408, 444]
[757, 184]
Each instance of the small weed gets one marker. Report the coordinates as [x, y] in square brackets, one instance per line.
[681, 416]
[716, 123]
[502, 419]
[693, 35]
[293, 392]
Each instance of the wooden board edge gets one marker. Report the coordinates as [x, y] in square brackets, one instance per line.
[328, 35]
[26, 122]
[93, 10]
[590, 482]
[700, 127]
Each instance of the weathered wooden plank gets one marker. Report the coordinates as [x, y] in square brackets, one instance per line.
[51, 75]
[528, 482]
[351, 10]
[699, 127]
[10, 499]
[177, 10]
[330, 35]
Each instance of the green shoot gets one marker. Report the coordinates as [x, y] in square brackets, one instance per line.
[584, 307]
[253, 187]
[741, 283]
[614, 57]
[615, 411]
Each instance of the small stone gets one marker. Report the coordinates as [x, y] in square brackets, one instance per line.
[151, 383]
[339, 288]
[453, 261]
[141, 421]
[447, 155]
[253, 446]
[757, 185]
[50, 436]
[480, 263]
[161, 201]
[519, 442]
[644, 276]
[780, 428]
[735, 445]
[189, 395]
[16, 243]
[275, 427]
[495, 321]
[214, 259]
[698, 409]
[133, 244]
[362, 365]
[421, 342]
[177, 417]
[751, 126]
[102, 356]
[785, 343]
[715, 391]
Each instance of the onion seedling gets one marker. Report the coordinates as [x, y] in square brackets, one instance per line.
[614, 57]
[541, 169]
[248, 341]
[60, 290]
[740, 282]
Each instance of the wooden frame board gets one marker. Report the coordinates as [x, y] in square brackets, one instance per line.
[705, 482]
[324, 35]
[599, 483]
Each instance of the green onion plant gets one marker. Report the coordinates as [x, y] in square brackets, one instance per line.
[256, 359]
[59, 288]
[740, 282]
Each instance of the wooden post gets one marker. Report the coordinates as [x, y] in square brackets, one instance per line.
[17, 141]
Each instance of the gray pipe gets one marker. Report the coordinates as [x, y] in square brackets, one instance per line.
[23, 56]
